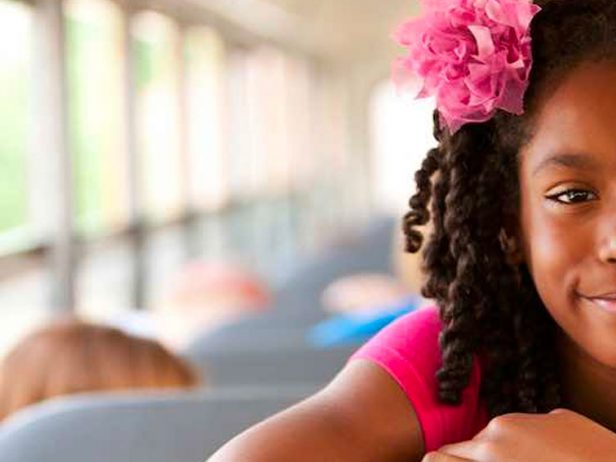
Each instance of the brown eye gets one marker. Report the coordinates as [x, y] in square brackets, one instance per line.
[573, 196]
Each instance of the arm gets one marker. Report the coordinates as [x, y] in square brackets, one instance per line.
[361, 416]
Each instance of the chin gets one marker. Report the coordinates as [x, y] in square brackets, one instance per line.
[598, 348]
[606, 358]
[590, 330]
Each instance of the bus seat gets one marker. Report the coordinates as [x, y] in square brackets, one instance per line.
[272, 366]
[178, 427]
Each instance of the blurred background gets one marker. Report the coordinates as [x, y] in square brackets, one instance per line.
[139, 135]
[198, 195]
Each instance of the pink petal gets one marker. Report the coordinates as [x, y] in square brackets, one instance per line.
[483, 37]
[408, 32]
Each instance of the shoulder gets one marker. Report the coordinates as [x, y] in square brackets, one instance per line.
[412, 338]
[408, 350]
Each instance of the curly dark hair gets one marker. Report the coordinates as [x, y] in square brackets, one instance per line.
[468, 186]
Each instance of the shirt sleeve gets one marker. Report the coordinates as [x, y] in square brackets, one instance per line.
[408, 351]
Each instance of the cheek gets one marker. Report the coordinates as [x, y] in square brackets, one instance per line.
[552, 254]
[557, 250]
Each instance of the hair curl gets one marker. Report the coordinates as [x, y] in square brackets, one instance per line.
[488, 304]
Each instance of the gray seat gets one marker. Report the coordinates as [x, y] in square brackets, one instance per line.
[271, 366]
[184, 427]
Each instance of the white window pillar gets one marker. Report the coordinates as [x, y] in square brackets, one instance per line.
[137, 223]
[51, 147]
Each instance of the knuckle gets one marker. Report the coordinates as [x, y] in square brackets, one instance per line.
[488, 448]
[560, 411]
[564, 414]
[432, 457]
[505, 422]
[498, 424]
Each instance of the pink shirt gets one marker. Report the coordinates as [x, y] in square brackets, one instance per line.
[408, 350]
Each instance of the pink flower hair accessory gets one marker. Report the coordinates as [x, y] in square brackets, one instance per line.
[473, 56]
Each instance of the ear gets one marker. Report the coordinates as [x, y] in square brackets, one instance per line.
[512, 247]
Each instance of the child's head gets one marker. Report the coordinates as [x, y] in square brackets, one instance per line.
[203, 295]
[217, 289]
[524, 216]
[69, 357]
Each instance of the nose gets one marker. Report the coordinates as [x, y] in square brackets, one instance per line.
[607, 253]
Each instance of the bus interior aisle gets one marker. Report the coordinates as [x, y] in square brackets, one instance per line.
[200, 215]
[275, 347]
[252, 368]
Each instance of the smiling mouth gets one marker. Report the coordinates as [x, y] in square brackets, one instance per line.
[607, 304]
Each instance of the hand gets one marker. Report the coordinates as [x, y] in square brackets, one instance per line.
[561, 435]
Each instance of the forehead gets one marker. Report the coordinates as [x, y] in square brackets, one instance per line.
[578, 116]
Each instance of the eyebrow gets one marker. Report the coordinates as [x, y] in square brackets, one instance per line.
[579, 161]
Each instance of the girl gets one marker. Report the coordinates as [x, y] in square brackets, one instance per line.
[518, 362]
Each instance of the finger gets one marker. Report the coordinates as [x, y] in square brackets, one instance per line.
[470, 450]
[438, 456]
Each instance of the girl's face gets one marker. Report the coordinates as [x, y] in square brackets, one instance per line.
[568, 207]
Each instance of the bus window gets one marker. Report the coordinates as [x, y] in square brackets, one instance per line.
[23, 287]
[157, 58]
[96, 123]
[15, 62]
[205, 53]
[402, 135]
